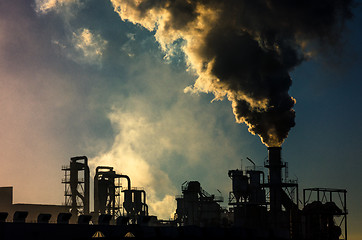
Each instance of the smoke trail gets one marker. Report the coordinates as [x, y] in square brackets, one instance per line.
[244, 50]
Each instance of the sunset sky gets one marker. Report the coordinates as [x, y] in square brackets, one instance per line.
[76, 79]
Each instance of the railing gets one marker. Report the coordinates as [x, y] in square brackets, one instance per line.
[67, 180]
[294, 181]
[65, 167]
[254, 168]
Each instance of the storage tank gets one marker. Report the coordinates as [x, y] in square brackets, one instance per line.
[240, 184]
[137, 197]
[127, 204]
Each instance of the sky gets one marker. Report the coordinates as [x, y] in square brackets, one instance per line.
[84, 78]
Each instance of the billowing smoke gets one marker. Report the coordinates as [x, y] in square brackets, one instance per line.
[244, 50]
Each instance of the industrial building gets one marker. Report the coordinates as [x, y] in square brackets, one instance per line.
[261, 205]
[267, 206]
[197, 207]
[31, 211]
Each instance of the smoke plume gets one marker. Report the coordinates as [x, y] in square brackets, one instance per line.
[244, 50]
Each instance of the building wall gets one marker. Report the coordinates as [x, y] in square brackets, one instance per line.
[6, 197]
[6, 205]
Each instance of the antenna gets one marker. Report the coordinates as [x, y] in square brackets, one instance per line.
[251, 162]
[219, 191]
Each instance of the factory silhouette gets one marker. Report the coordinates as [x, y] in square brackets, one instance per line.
[261, 206]
[243, 51]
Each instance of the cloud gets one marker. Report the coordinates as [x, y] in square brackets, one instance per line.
[89, 47]
[45, 6]
[145, 148]
[131, 113]
[127, 46]
[244, 51]
[135, 152]
[54, 108]
[164, 137]
[81, 44]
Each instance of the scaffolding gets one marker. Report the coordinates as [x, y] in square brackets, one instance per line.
[330, 195]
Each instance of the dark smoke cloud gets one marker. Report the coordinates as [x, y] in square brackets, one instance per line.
[244, 50]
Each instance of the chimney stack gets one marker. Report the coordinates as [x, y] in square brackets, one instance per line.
[275, 178]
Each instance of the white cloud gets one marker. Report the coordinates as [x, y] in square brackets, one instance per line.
[127, 46]
[88, 46]
[147, 144]
[45, 6]
[135, 152]
[162, 137]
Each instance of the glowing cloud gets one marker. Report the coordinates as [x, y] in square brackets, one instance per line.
[89, 46]
[129, 156]
[243, 50]
[44, 6]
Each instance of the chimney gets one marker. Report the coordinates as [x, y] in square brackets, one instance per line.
[275, 178]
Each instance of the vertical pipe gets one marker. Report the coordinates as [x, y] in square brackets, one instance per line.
[95, 194]
[74, 185]
[113, 196]
[65, 187]
[297, 197]
[144, 202]
[99, 174]
[128, 180]
[318, 194]
[275, 175]
[86, 185]
[345, 216]
[75, 167]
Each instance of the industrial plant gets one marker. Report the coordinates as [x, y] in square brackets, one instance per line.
[263, 204]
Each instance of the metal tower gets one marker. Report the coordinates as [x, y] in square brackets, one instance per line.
[107, 186]
[76, 185]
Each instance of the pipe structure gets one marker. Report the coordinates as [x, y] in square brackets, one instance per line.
[75, 167]
[97, 207]
[103, 167]
[251, 162]
[275, 178]
[144, 202]
[128, 180]
[74, 186]
[104, 189]
[86, 186]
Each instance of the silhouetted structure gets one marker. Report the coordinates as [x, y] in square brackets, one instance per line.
[76, 185]
[135, 203]
[321, 213]
[33, 210]
[259, 208]
[107, 191]
[197, 207]
[270, 205]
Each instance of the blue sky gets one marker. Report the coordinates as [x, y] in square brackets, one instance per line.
[77, 80]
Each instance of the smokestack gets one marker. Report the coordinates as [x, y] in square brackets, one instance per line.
[275, 178]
